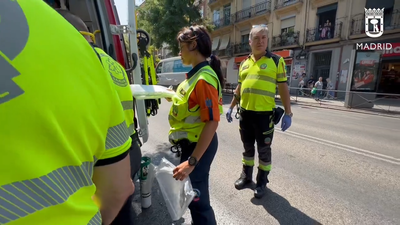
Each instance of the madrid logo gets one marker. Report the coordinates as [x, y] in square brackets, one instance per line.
[374, 20]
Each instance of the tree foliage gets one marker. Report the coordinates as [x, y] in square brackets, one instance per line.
[163, 19]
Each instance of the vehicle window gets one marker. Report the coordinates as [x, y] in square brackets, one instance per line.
[180, 68]
[168, 67]
[159, 68]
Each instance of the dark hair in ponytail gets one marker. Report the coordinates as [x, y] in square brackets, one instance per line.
[204, 46]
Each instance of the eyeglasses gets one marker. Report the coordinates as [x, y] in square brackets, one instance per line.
[259, 25]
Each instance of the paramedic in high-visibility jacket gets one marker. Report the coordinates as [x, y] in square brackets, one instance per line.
[64, 143]
[194, 118]
[121, 84]
[258, 76]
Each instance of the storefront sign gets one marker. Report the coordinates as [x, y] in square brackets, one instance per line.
[365, 72]
[395, 51]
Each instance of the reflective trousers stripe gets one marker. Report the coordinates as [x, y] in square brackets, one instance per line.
[266, 166]
[22, 198]
[117, 135]
[248, 161]
[96, 220]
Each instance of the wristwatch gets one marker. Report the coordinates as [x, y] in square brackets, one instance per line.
[290, 114]
[192, 161]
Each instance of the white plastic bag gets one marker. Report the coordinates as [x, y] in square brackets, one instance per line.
[140, 91]
[177, 194]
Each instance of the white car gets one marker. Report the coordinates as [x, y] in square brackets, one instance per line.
[171, 72]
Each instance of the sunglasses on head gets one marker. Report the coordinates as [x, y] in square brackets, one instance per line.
[259, 25]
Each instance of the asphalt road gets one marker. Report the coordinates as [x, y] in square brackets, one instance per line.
[330, 167]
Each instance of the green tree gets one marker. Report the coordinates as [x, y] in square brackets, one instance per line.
[163, 19]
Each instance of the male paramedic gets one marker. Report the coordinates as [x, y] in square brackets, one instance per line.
[64, 154]
[258, 76]
[121, 83]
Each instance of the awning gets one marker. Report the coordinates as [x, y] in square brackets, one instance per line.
[328, 8]
[379, 4]
[240, 58]
[215, 43]
[224, 41]
[284, 53]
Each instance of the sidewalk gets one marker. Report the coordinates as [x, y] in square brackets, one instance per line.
[378, 109]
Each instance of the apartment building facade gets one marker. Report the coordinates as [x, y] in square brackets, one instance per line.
[316, 37]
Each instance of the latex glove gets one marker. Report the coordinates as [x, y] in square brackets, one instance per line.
[286, 122]
[229, 115]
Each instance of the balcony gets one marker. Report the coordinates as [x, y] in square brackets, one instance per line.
[391, 25]
[260, 11]
[289, 40]
[241, 48]
[318, 3]
[215, 4]
[283, 7]
[324, 34]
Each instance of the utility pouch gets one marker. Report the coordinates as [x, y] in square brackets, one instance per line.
[278, 113]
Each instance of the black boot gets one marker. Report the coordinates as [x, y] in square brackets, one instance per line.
[246, 177]
[262, 180]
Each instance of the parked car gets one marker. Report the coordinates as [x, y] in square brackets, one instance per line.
[171, 71]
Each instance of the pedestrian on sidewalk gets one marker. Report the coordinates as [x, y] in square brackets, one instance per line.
[319, 86]
[258, 75]
[194, 117]
[301, 86]
[329, 87]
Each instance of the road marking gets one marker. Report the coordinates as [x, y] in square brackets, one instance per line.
[344, 147]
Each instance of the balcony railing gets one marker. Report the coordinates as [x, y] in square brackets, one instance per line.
[323, 32]
[256, 10]
[286, 39]
[283, 3]
[222, 22]
[241, 48]
[391, 22]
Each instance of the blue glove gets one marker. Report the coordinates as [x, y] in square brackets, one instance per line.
[229, 116]
[286, 122]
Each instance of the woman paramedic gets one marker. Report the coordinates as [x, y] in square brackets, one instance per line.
[194, 118]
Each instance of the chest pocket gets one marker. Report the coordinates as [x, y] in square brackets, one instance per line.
[180, 102]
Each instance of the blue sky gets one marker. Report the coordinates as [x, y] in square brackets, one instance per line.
[122, 11]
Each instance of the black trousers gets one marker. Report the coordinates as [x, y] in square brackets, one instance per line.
[201, 210]
[125, 215]
[257, 127]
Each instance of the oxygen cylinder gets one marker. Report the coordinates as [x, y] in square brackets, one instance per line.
[145, 184]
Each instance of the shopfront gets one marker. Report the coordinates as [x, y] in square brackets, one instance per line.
[389, 81]
[286, 54]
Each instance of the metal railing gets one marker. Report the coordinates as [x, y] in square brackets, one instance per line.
[287, 39]
[391, 22]
[371, 102]
[283, 3]
[256, 10]
[325, 33]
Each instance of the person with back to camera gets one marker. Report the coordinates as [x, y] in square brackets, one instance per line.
[64, 153]
[194, 117]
